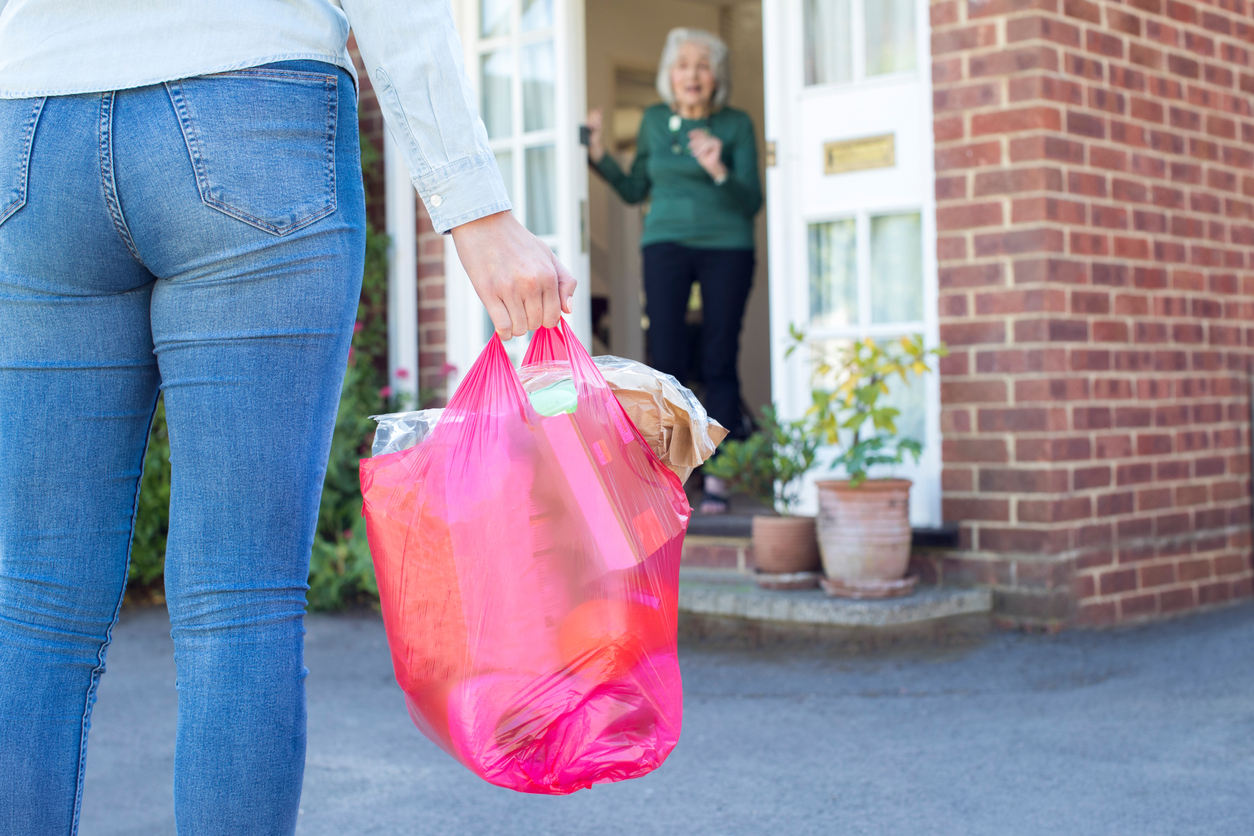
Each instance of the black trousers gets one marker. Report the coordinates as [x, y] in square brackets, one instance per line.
[726, 277]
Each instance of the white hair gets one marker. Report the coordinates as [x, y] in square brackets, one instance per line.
[718, 60]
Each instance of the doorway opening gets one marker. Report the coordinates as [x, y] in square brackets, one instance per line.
[624, 41]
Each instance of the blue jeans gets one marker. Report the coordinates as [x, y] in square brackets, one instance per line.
[203, 239]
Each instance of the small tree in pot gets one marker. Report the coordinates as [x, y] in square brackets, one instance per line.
[864, 524]
[768, 466]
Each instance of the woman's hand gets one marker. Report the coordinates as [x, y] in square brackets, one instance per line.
[596, 136]
[708, 151]
[517, 277]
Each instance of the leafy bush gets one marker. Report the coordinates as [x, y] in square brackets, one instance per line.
[846, 406]
[769, 464]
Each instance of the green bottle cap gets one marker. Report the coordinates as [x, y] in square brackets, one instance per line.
[553, 400]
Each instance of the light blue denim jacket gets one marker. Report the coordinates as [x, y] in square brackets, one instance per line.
[410, 48]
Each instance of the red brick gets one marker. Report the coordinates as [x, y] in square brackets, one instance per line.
[973, 391]
[974, 450]
[1116, 581]
[985, 510]
[1013, 181]
[973, 333]
[968, 156]
[1008, 61]
[975, 275]
[1019, 480]
[968, 216]
[1019, 241]
[1013, 121]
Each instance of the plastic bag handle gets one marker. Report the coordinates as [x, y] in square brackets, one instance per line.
[546, 347]
[491, 381]
[560, 343]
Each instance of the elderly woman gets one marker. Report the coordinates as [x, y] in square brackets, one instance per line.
[697, 163]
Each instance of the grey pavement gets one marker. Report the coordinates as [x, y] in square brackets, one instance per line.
[1139, 731]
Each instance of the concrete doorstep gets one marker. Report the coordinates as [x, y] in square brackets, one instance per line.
[724, 605]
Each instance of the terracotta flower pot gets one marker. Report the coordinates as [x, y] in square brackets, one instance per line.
[864, 532]
[782, 545]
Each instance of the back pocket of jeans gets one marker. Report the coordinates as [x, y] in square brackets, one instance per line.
[18, 118]
[262, 144]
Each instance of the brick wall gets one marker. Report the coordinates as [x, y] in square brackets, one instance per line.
[1095, 187]
[432, 353]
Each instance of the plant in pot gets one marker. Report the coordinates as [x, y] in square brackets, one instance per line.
[864, 523]
[768, 466]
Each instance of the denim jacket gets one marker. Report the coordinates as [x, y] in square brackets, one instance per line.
[410, 48]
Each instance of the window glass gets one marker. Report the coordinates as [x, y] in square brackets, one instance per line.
[536, 14]
[538, 76]
[494, 18]
[828, 52]
[540, 175]
[496, 104]
[890, 41]
[897, 268]
[833, 274]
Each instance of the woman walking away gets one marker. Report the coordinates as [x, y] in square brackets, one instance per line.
[697, 162]
[181, 211]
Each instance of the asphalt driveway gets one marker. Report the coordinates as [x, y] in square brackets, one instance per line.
[1140, 731]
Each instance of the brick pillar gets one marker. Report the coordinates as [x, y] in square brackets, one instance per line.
[432, 352]
[1095, 187]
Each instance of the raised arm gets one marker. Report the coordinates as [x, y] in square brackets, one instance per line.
[633, 187]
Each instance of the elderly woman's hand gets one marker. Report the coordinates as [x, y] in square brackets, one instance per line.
[517, 277]
[708, 151]
[596, 135]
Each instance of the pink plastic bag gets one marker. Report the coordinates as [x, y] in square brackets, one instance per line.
[528, 570]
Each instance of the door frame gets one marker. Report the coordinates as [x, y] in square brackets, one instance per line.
[783, 42]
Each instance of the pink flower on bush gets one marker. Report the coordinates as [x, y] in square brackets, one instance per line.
[447, 369]
[385, 392]
[402, 373]
[357, 326]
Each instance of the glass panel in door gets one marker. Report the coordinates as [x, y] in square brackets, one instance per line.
[828, 46]
[833, 258]
[890, 36]
[897, 268]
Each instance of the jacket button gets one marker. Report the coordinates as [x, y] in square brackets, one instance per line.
[436, 200]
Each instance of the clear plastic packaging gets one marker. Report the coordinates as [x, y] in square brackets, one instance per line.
[667, 413]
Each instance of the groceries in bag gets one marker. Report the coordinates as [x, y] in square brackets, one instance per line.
[667, 414]
[528, 574]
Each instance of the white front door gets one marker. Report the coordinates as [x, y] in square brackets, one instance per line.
[525, 59]
[850, 199]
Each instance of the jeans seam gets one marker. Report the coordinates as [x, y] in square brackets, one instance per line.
[104, 645]
[107, 181]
